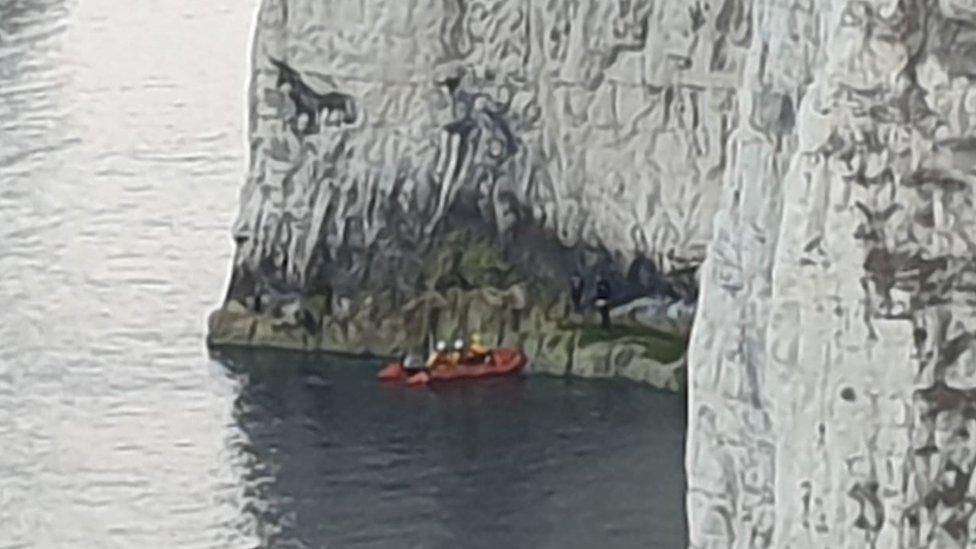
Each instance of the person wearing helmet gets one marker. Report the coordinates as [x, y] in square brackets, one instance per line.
[477, 352]
[456, 354]
[436, 357]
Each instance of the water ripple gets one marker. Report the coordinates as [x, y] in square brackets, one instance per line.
[119, 174]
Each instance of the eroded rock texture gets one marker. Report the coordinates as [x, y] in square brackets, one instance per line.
[836, 408]
[463, 165]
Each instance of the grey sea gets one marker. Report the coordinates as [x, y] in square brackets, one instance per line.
[121, 155]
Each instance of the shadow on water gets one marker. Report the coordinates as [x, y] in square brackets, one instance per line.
[338, 459]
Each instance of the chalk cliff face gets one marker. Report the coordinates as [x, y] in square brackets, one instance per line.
[833, 382]
[483, 166]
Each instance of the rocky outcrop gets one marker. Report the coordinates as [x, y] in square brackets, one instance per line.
[421, 168]
[835, 409]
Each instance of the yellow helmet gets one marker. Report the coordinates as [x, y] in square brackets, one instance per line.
[476, 338]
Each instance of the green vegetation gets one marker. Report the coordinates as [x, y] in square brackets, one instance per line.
[660, 346]
[467, 263]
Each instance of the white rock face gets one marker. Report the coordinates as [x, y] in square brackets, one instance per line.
[462, 165]
[578, 139]
[575, 107]
[831, 369]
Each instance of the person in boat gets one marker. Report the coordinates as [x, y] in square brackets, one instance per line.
[456, 355]
[437, 356]
[477, 352]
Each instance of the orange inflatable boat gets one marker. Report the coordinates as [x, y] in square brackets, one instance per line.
[500, 362]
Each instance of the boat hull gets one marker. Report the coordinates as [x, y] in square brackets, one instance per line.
[501, 362]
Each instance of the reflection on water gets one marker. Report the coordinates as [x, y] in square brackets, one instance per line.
[121, 156]
[539, 462]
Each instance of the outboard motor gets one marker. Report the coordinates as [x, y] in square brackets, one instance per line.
[413, 363]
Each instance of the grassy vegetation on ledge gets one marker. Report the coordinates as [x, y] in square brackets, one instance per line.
[660, 346]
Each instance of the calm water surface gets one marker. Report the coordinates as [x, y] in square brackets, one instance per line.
[121, 156]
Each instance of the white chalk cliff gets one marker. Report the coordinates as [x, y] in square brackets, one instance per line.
[832, 374]
[459, 165]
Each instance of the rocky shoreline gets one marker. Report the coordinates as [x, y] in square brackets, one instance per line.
[557, 343]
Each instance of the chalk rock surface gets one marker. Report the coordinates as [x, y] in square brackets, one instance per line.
[832, 373]
[498, 165]
[449, 167]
